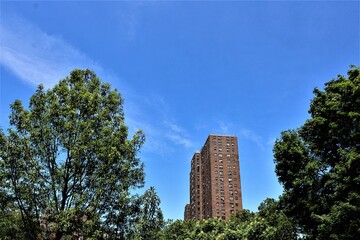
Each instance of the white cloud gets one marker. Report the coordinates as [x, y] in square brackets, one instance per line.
[153, 116]
[181, 140]
[252, 136]
[177, 134]
[173, 127]
[271, 141]
[36, 56]
[225, 127]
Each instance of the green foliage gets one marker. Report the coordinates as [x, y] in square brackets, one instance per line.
[270, 223]
[319, 164]
[68, 166]
[150, 222]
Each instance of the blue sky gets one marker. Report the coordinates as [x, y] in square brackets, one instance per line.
[187, 69]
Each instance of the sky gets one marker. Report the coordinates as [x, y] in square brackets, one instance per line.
[187, 69]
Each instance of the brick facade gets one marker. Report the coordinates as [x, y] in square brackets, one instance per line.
[215, 186]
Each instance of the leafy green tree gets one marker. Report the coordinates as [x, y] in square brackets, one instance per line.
[67, 163]
[150, 222]
[10, 223]
[270, 223]
[319, 163]
[178, 229]
[278, 224]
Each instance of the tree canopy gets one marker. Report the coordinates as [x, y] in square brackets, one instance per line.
[67, 164]
[319, 163]
[270, 223]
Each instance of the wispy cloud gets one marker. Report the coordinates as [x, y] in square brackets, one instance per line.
[225, 127]
[180, 140]
[252, 136]
[153, 115]
[271, 141]
[36, 56]
[177, 134]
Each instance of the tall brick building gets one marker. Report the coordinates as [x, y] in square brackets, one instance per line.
[215, 186]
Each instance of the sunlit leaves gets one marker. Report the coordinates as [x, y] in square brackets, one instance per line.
[318, 164]
[69, 156]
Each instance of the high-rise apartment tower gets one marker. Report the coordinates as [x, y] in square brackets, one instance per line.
[215, 186]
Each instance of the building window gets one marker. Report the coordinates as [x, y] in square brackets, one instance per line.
[221, 173]
[231, 198]
[230, 185]
[222, 179]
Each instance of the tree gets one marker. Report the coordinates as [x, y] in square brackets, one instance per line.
[151, 221]
[270, 223]
[278, 224]
[67, 163]
[319, 163]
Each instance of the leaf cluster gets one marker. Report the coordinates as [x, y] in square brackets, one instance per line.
[270, 223]
[319, 163]
[67, 164]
